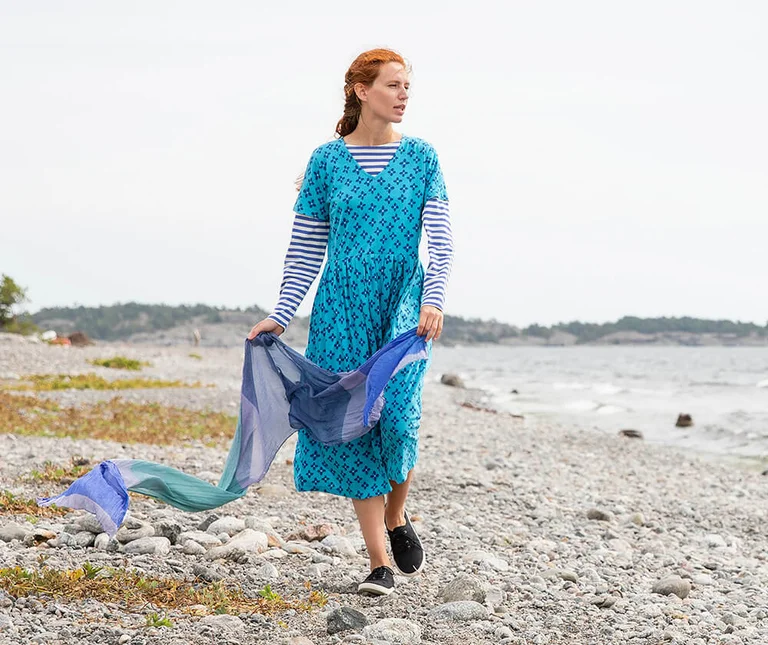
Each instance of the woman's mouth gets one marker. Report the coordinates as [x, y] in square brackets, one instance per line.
[400, 108]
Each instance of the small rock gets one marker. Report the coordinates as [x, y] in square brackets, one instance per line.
[168, 529]
[84, 538]
[452, 380]
[268, 571]
[463, 587]
[12, 531]
[207, 574]
[460, 610]
[203, 526]
[273, 490]
[339, 544]
[672, 585]
[101, 541]
[315, 532]
[247, 541]
[345, 618]
[136, 531]
[631, 434]
[148, 545]
[316, 571]
[638, 519]
[229, 525]
[394, 631]
[604, 602]
[226, 622]
[599, 514]
[89, 522]
[193, 548]
[201, 537]
[125, 638]
[684, 421]
[42, 535]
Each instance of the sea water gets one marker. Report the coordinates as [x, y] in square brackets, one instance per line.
[724, 389]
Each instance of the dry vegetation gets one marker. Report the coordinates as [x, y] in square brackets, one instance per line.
[10, 504]
[132, 590]
[120, 363]
[113, 420]
[51, 382]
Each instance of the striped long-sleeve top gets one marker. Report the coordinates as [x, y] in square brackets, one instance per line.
[309, 238]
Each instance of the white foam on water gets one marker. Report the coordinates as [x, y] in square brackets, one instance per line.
[763, 383]
[609, 409]
[582, 405]
[607, 388]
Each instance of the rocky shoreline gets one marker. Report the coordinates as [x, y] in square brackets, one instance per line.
[534, 533]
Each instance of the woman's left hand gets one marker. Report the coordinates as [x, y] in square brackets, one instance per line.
[430, 323]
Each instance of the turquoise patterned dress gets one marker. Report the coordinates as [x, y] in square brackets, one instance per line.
[369, 292]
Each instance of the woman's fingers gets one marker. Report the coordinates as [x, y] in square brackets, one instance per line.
[430, 324]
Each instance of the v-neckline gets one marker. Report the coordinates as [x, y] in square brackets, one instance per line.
[385, 168]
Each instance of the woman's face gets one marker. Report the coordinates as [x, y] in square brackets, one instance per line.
[387, 97]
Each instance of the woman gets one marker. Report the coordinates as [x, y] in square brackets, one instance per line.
[364, 199]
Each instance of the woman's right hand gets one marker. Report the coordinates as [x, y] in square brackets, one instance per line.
[266, 325]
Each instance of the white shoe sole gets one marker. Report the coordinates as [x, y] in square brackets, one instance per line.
[413, 574]
[374, 589]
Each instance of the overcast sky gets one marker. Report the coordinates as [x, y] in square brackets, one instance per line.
[602, 158]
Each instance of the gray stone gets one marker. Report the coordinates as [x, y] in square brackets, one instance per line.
[463, 587]
[203, 526]
[12, 531]
[247, 541]
[672, 585]
[268, 571]
[84, 538]
[229, 525]
[345, 618]
[338, 544]
[89, 522]
[193, 548]
[206, 573]
[396, 631]
[460, 610]
[316, 571]
[168, 529]
[101, 541]
[136, 530]
[201, 537]
[148, 545]
[453, 380]
[599, 514]
[226, 622]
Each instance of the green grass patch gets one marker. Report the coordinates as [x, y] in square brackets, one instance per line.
[11, 504]
[114, 420]
[57, 474]
[120, 363]
[52, 382]
[134, 590]
[196, 356]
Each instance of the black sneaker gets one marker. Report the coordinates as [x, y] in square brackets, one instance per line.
[381, 581]
[407, 552]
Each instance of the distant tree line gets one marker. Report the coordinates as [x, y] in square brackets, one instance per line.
[119, 321]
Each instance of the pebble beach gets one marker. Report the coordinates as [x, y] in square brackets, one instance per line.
[534, 533]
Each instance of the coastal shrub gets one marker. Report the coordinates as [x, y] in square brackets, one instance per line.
[57, 474]
[114, 420]
[133, 589]
[120, 363]
[11, 504]
[90, 381]
[155, 620]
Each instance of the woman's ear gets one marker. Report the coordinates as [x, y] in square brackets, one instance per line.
[361, 91]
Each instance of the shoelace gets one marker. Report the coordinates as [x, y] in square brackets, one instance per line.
[401, 541]
[379, 573]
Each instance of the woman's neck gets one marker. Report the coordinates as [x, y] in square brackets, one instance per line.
[367, 136]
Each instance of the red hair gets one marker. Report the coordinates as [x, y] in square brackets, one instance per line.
[364, 69]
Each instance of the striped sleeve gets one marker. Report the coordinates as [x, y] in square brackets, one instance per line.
[303, 260]
[437, 224]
